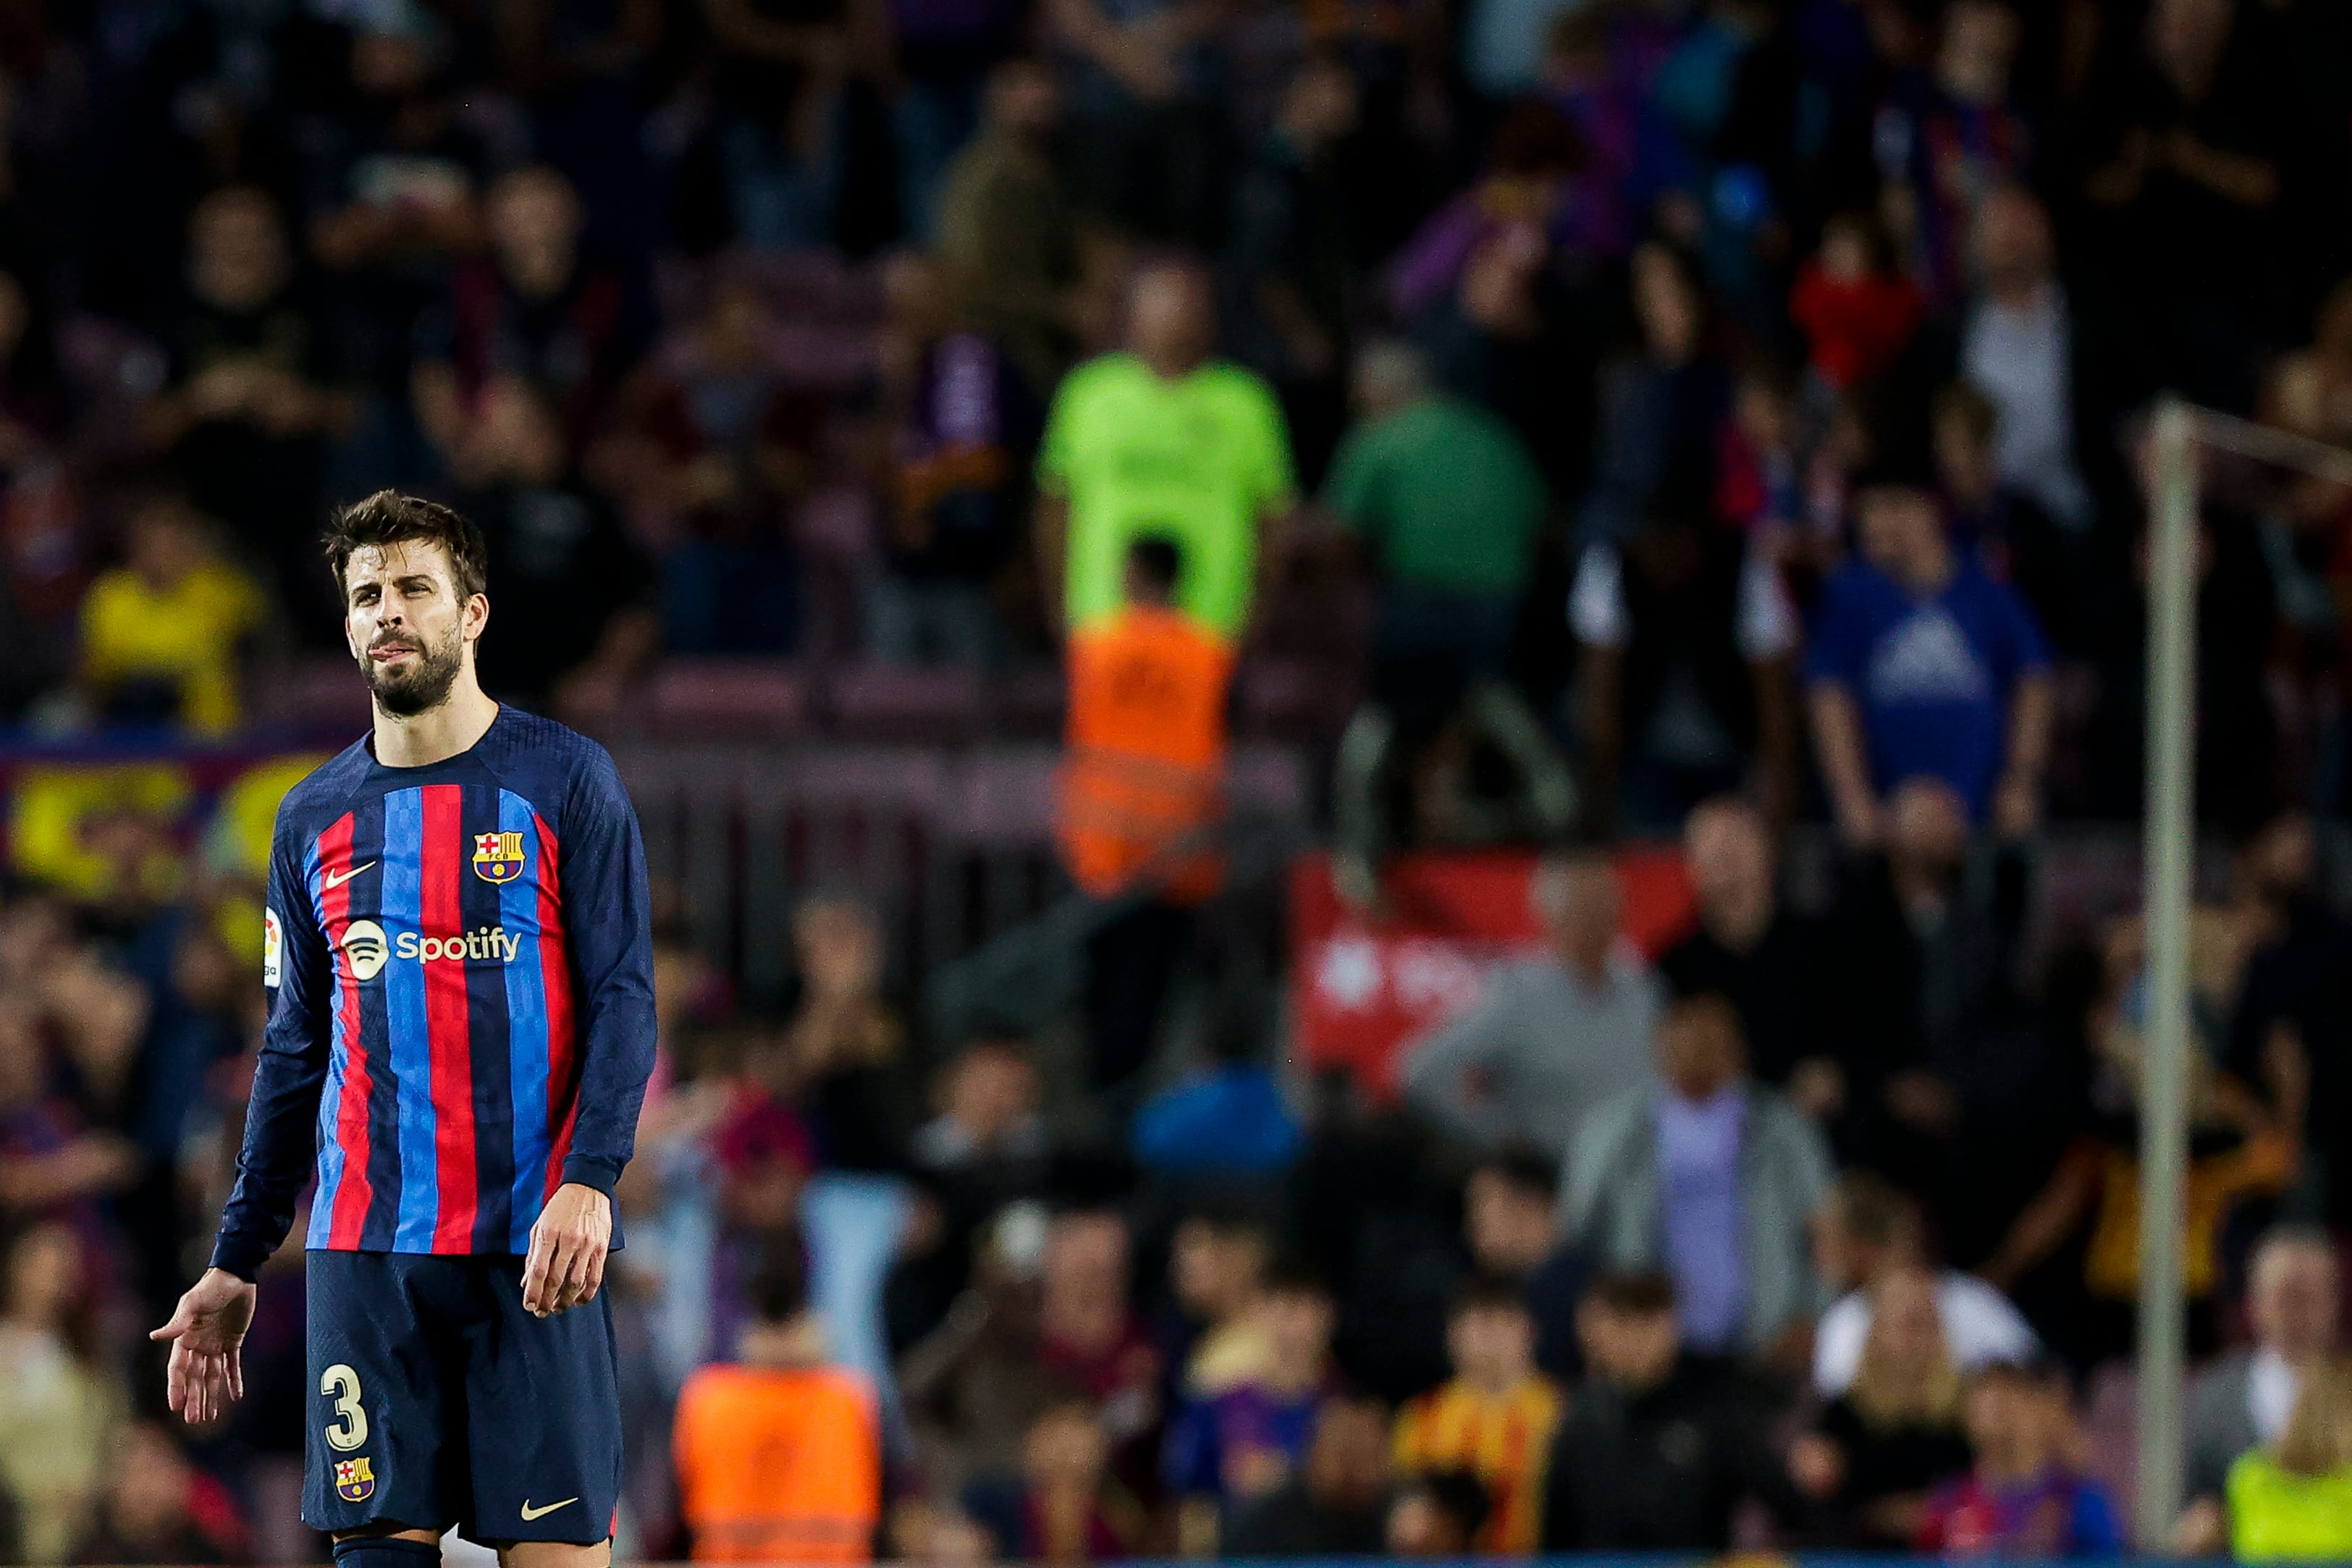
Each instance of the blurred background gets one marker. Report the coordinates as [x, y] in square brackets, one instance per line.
[1393, 747]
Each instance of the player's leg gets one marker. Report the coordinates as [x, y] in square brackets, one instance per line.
[544, 1420]
[377, 1438]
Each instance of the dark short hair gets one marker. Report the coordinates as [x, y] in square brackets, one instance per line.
[1523, 1168]
[1458, 1494]
[1484, 1292]
[1641, 1295]
[778, 1287]
[1159, 561]
[388, 518]
[1293, 1276]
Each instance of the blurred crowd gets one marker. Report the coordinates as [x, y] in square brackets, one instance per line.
[1722, 413]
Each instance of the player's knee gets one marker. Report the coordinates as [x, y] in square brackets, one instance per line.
[390, 1546]
[554, 1555]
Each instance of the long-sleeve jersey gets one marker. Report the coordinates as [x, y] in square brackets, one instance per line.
[461, 964]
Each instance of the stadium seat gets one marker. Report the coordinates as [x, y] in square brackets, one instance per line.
[894, 702]
[725, 699]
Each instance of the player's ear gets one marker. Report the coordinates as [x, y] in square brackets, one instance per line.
[476, 616]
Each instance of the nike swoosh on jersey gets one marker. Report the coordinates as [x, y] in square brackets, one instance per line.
[529, 1513]
[336, 879]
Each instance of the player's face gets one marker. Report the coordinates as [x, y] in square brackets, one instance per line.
[406, 625]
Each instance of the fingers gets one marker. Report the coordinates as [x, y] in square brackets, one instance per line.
[597, 1258]
[236, 1373]
[175, 1379]
[577, 1264]
[534, 1270]
[183, 1320]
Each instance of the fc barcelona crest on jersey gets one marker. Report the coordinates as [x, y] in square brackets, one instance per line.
[354, 1479]
[498, 856]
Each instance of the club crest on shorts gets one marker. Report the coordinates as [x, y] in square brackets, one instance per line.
[498, 856]
[354, 1479]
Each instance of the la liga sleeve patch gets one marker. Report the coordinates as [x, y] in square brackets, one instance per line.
[273, 947]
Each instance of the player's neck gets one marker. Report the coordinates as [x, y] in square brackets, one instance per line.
[441, 731]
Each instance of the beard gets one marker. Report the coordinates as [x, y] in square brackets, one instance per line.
[404, 692]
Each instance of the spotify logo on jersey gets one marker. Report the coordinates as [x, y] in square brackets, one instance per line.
[364, 949]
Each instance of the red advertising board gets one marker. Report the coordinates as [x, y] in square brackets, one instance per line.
[1364, 985]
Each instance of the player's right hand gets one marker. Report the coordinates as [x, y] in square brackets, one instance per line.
[206, 1333]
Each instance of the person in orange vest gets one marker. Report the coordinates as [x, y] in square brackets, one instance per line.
[1141, 793]
[778, 1453]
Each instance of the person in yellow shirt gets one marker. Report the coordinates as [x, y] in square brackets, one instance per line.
[1494, 1419]
[778, 1454]
[2292, 1501]
[162, 634]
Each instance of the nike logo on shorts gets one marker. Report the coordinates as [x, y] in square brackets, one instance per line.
[529, 1513]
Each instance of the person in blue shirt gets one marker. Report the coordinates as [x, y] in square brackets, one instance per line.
[1922, 665]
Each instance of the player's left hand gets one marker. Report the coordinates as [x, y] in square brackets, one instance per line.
[568, 1244]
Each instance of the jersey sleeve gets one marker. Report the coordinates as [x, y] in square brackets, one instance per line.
[609, 926]
[281, 1117]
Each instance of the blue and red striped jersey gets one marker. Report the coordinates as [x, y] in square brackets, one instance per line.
[461, 1019]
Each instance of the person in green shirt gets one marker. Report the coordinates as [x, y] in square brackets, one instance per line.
[1162, 439]
[1448, 506]
[2292, 1501]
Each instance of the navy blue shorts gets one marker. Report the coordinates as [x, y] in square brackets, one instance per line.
[438, 1400]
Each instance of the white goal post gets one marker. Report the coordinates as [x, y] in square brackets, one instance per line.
[2170, 829]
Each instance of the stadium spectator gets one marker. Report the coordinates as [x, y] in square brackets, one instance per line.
[1161, 438]
[962, 426]
[1228, 1448]
[1857, 313]
[1712, 1178]
[159, 1507]
[1508, 1206]
[534, 309]
[1333, 1505]
[1771, 962]
[1921, 665]
[2000, 525]
[1068, 1513]
[1297, 237]
[1947, 139]
[1090, 1337]
[2243, 1402]
[2020, 345]
[988, 1146]
[2290, 1500]
[845, 1044]
[1686, 642]
[710, 452]
[974, 1384]
[571, 602]
[1659, 1450]
[164, 635]
[779, 1451]
[1217, 1268]
[1871, 1231]
[1227, 1117]
[61, 1408]
[253, 395]
[1444, 504]
[1494, 1418]
[2021, 1495]
[1552, 1037]
[1662, 408]
[1141, 795]
[2288, 1005]
[1441, 1514]
[1891, 1433]
[1006, 229]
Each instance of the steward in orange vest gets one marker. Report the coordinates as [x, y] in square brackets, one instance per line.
[779, 1454]
[1142, 785]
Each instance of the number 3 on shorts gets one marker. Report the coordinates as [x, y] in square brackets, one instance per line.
[349, 1430]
